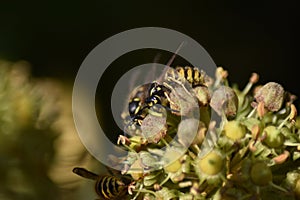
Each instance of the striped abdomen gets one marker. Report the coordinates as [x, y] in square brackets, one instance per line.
[192, 75]
[110, 187]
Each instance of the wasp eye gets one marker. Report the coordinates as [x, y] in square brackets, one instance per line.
[133, 108]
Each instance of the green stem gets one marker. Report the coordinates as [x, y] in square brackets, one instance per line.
[247, 88]
[283, 122]
[251, 113]
[278, 187]
[166, 179]
[146, 191]
[138, 192]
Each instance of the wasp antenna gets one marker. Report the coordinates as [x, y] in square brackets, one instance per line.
[171, 61]
[175, 54]
[85, 173]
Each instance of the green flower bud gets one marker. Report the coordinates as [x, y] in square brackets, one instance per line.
[260, 174]
[274, 137]
[211, 164]
[175, 165]
[234, 130]
[272, 95]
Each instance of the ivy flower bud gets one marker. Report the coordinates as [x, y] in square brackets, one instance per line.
[260, 174]
[234, 130]
[221, 73]
[210, 167]
[173, 166]
[211, 164]
[224, 100]
[272, 95]
[274, 137]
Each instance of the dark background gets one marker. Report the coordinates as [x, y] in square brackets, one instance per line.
[55, 37]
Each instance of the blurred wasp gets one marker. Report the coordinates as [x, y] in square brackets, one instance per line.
[107, 187]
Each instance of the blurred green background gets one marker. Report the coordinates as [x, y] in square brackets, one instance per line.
[54, 37]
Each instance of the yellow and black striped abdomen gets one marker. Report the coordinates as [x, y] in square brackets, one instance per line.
[110, 187]
[192, 75]
[107, 187]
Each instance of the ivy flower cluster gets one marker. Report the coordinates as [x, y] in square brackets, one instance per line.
[246, 146]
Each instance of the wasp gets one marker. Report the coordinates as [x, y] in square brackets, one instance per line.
[108, 187]
[158, 94]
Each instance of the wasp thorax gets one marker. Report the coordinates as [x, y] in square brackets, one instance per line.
[272, 95]
[225, 101]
